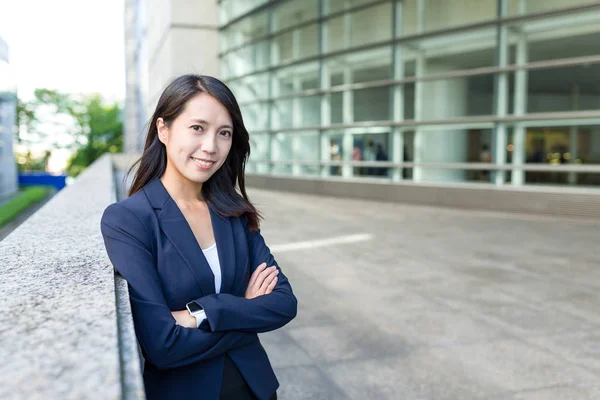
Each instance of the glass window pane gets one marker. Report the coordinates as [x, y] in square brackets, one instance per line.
[306, 148]
[283, 48]
[371, 147]
[255, 116]
[446, 14]
[308, 38]
[452, 13]
[231, 9]
[293, 13]
[239, 62]
[560, 37]
[310, 111]
[561, 145]
[259, 153]
[246, 30]
[297, 112]
[282, 114]
[359, 28]
[336, 107]
[465, 50]
[296, 78]
[298, 43]
[519, 7]
[336, 39]
[458, 97]
[563, 89]
[364, 66]
[339, 5]
[371, 25]
[336, 152]
[282, 150]
[372, 104]
[251, 88]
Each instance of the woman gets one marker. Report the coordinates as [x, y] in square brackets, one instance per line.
[202, 282]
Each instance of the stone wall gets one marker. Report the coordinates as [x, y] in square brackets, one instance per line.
[65, 320]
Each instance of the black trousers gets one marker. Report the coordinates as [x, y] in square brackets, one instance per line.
[234, 386]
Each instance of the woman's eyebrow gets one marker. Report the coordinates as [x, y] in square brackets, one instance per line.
[201, 121]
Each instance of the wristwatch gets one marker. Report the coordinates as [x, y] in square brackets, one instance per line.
[196, 311]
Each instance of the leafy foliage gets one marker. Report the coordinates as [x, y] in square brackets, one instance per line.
[94, 124]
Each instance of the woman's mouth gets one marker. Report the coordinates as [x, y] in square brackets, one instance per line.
[202, 163]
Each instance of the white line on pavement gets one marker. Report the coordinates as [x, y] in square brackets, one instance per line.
[311, 244]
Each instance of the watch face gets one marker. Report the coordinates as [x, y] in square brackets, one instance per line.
[194, 307]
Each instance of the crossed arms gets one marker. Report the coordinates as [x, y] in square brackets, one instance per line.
[232, 321]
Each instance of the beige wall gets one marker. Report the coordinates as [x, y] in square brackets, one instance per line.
[164, 39]
[183, 37]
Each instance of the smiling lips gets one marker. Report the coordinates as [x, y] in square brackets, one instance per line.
[202, 163]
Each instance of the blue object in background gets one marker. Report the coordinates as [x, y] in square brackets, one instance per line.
[42, 179]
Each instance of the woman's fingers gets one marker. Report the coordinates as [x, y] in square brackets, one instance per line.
[257, 271]
[260, 279]
[271, 285]
[268, 279]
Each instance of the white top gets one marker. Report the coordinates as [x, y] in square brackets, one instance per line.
[212, 256]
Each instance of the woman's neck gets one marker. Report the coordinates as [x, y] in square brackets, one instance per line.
[180, 188]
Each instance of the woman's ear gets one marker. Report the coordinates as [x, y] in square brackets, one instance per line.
[162, 130]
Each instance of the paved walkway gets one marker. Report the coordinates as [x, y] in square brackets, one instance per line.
[436, 304]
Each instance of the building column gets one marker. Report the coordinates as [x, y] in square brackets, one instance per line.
[442, 146]
[324, 83]
[296, 121]
[520, 108]
[348, 118]
[397, 103]
[499, 143]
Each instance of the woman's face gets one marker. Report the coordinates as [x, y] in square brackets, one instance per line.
[199, 139]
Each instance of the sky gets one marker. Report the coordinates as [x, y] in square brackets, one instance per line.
[74, 46]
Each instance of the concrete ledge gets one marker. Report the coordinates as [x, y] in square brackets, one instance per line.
[572, 202]
[61, 337]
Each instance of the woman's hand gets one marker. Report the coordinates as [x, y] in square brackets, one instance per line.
[184, 318]
[262, 281]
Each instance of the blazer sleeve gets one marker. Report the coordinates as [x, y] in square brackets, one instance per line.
[166, 344]
[226, 312]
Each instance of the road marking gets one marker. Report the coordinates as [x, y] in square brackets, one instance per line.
[311, 244]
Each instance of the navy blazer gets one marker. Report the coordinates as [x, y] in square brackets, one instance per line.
[150, 243]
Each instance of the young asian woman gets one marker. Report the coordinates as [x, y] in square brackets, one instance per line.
[202, 282]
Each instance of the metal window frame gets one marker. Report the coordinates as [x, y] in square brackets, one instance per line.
[537, 65]
[472, 166]
[319, 20]
[419, 36]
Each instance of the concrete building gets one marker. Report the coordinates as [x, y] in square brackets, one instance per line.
[8, 166]
[484, 93]
[164, 39]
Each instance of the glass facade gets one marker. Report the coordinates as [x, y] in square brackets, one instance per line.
[8, 166]
[475, 91]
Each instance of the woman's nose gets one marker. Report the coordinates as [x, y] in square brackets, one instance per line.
[209, 144]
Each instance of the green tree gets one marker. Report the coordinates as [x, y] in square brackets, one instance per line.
[95, 125]
[101, 132]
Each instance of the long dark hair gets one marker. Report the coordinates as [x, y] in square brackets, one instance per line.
[219, 191]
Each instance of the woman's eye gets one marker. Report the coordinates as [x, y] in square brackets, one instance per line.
[196, 127]
[226, 133]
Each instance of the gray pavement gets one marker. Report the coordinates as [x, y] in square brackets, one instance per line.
[439, 304]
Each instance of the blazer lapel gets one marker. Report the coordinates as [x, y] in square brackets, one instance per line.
[224, 237]
[178, 231]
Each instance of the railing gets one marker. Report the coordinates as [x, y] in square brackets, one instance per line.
[66, 324]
